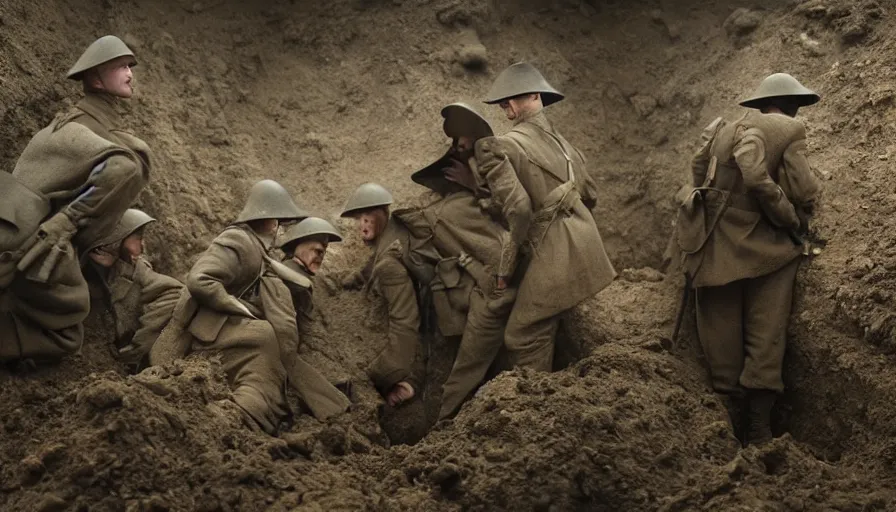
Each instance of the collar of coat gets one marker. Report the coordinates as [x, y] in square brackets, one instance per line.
[298, 266]
[537, 118]
[102, 107]
[265, 241]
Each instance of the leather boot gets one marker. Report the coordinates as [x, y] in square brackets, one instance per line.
[736, 406]
[761, 402]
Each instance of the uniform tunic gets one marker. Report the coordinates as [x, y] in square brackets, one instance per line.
[141, 301]
[456, 225]
[229, 273]
[400, 359]
[745, 270]
[540, 182]
[320, 395]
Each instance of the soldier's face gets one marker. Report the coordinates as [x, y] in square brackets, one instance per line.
[511, 108]
[132, 247]
[115, 77]
[371, 224]
[515, 107]
[311, 253]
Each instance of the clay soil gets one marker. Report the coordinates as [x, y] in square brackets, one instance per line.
[323, 96]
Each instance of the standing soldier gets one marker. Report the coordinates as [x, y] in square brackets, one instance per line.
[544, 191]
[140, 299]
[740, 231]
[469, 244]
[305, 246]
[238, 306]
[72, 184]
[395, 274]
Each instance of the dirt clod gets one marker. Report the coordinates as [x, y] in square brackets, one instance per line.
[742, 22]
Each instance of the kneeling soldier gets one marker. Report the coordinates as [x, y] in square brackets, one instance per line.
[140, 299]
[305, 246]
[239, 306]
[395, 274]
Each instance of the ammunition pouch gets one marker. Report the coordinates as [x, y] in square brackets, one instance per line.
[698, 215]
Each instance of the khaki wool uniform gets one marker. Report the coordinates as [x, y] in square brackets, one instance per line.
[142, 302]
[322, 397]
[744, 271]
[464, 292]
[85, 165]
[302, 297]
[208, 320]
[395, 271]
[543, 195]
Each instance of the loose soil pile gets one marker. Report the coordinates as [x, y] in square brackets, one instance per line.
[323, 96]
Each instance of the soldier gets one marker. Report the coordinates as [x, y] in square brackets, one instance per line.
[540, 183]
[305, 246]
[740, 231]
[469, 244]
[140, 299]
[239, 306]
[71, 184]
[395, 274]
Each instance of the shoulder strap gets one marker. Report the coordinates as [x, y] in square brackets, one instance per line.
[287, 274]
[559, 143]
[264, 258]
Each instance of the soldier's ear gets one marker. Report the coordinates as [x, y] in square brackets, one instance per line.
[92, 80]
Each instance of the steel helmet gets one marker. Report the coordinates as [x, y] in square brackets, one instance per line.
[99, 52]
[307, 228]
[269, 200]
[131, 221]
[522, 78]
[368, 195]
[781, 85]
[461, 120]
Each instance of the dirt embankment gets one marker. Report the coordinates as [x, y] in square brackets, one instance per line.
[325, 96]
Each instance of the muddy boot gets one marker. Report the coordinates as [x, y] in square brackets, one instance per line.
[760, 415]
[737, 408]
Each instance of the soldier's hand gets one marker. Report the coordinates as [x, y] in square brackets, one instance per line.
[460, 173]
[55, 232]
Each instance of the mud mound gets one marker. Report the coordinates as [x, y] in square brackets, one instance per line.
[782, 475]
[167, 439]
[616, 432]
[625, 429]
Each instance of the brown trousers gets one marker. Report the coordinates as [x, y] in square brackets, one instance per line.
[482, 339]
[44, 320]
[250, 355]
[398, 361]
[531, 344]
[743, 330]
